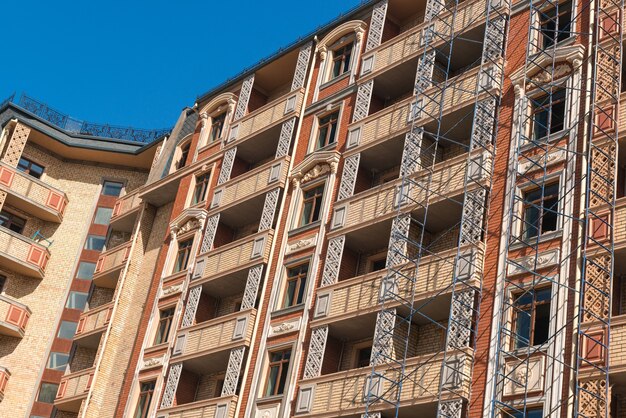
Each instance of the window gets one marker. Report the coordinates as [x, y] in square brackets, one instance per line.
[67, 330]
[548, 114]
[77, 300]
[277, 372]
[3, 282]
[363, 356]
[103, 216]
[556, 23]
[95, 242]
[312, 205]
[219, 385]
[532, 318]
[202, 186]
[165, 323]
[112, 188]
[341, 59]
[377, 263]
[296, 285]
[530, 413]
[146, 390]
[28, 167]
[184, 154]
[12, 222]
[217, 127]
[540, 211]
[182, 257]
[47, 392]
[58, 361]
[327, 130]
[85, 270]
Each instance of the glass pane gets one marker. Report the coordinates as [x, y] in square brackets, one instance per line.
[321, 138]
[283, 378]
[85, 270]
[531, 221]
[111, 188]
[47, 392]
[542, 324]
[103, 216]
[272, 381]
[300, 298]
[67, 330]
[289, 293]
[58, 361]
[522, 329]
[77, 300]
[306, 213]
[95, 242]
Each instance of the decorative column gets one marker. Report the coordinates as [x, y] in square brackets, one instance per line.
[363, 99]
[244, 97]
[348, 176]
[377, 24]
[172, 384]
[333, 260]
[315, 356]
[269, 209]
[209, 233]
[231, 380]
[284, 140]
[252, 287]
[382, 349]
[227, 165]
[191, 306]
[304, 56]
[450, 409]
[16, 145]
[411, 153]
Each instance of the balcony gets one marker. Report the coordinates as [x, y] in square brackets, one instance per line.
[267, 116]
[236, 256]
[379, 203]
[343, 393]
[361, 295]
[32, 195]
[471, 14]
[4, 380]
[395, 119]
[253, 183]
[125, 212]
[73, 390]
[22, 255]
[110, 264]
[209, 408]
[215, 337]
[92, 324]
[15, 316]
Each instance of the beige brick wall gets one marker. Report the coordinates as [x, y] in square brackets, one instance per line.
[27, 357]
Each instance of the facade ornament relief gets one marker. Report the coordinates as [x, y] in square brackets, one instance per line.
[560, 70]
[301, 244]
[543, 260]
[316, 165]
[172, 290]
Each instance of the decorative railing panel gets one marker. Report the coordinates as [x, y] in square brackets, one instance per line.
[22, 254]
[75, 385]
[94, 320]
[125, 204]
[13, 317]
[223, 407]
[113, 258]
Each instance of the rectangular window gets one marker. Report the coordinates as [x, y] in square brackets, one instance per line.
[540, 211]
[277, 372]
[217, 127]
[58, 361]
[47, 392]
[341, 59]
[183, 255]
[12, 222]
[556, 23]
[312, 205]
[67, 330]
[77, 300]
[95, 242]
[146, 390]
[532, 318]
[103, 216]
[202, 186]
[530, 413]
[363, 356]
[85, 270]
[327, 130]
[548, 114]
[296, 285]
[165, 324]
[112, 188]
[184, 154]
[31, 168]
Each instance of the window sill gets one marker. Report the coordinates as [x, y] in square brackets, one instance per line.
[553, 137]
[548, 236]
[304, 228]
[269, 399]
[560, 44]
[285, 311]
[337, 79]
[329, 147]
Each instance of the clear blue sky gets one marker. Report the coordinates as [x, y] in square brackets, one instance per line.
[139, 63]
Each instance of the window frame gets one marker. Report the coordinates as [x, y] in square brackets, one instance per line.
[527, 205]
[104, 183]
[345, 66]
[539, 102]
[11, 219]
[205, 184]
[304, 200]
[216, 117]
[140, 394]
[58, 368]
[27, 170]
[517, 310]
[169, 320]
[95, 215]
[544, 18]
[331, 126]
[104, 239]
[280, 363]
[82, 262]
[176, 267]
[301, 279]
[50, 384]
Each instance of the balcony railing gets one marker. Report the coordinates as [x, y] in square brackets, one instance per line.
[362, 294]
[109, 265]
[408, 44]
[73, 388]
[270, 175]
[94, 320]
[237, 255]
[4, 381]
[381, 202]
[32, 195]
[396, 119]
[15, 316]
[216, 334]
[344, 393]
[125, 205]
[22, 255]
[268, 115]
[209, 408]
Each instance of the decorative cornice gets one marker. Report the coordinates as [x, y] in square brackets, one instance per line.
[190, 219]
[224, 101]
[356, 26]
[567, 54]
[315, 165]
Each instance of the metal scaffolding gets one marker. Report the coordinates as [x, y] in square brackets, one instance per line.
[421, 191]
[564, 146]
